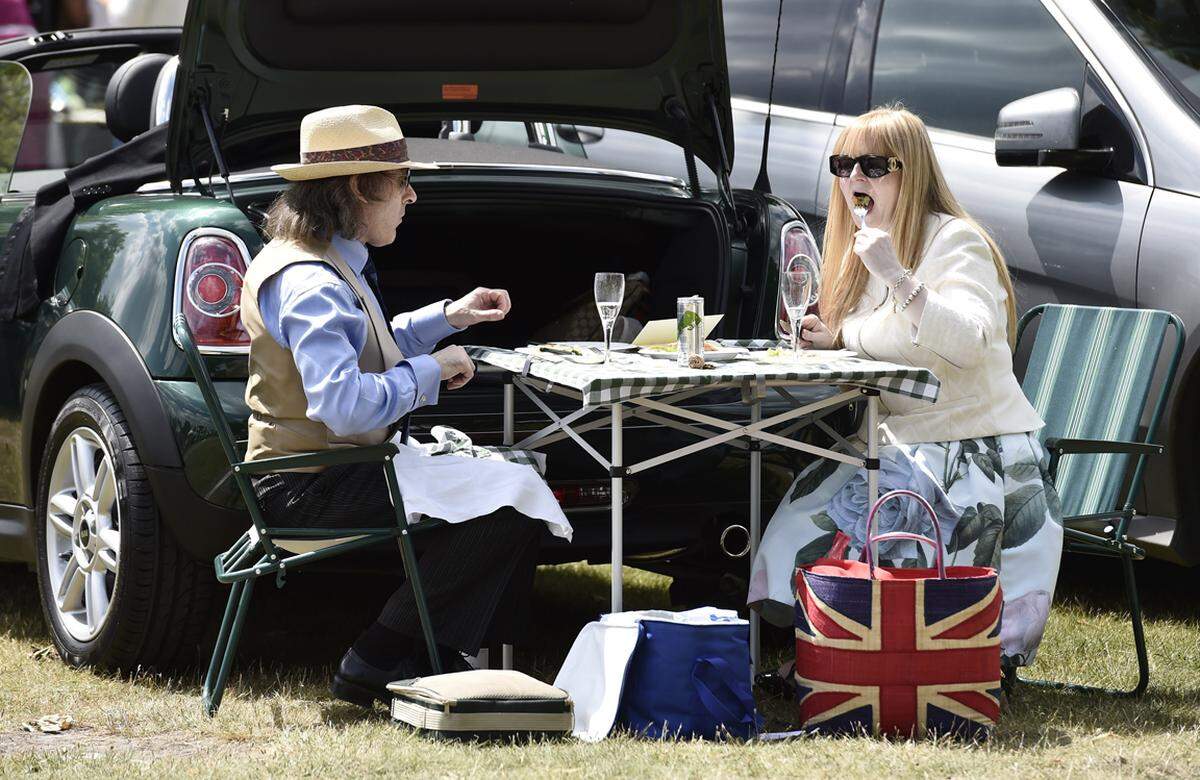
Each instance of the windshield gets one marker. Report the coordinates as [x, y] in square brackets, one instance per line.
[1169, 34]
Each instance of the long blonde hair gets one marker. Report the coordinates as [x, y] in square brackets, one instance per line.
[896, 132]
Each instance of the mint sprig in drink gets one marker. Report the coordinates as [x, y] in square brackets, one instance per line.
[690, 328]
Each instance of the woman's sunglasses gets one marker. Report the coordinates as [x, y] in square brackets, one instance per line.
[873, 165]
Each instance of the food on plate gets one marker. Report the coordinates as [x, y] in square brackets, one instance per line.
[709, 346]
[571, 352]
[559, 349]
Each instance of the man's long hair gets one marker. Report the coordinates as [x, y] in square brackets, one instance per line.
[319, 209]
[894, 131]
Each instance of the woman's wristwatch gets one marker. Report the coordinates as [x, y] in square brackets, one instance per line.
[899, 280]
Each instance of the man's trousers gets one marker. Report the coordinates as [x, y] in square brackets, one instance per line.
[477, 575]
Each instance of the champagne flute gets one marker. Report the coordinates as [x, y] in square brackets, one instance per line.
[610, 292]
[798, 279]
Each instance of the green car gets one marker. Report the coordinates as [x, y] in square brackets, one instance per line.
[112, 484]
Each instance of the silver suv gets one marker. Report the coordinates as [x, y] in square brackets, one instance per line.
[1111, 218]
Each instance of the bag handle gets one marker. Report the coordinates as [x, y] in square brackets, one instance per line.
[710, 677]
[871, 548]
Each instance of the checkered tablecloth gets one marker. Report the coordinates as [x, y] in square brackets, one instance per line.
[638, 376]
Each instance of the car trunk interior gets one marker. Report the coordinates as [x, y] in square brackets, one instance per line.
[545, 249]
[544, 246]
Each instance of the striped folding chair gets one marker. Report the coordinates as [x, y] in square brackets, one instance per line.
[264, 550]
[1089, 377]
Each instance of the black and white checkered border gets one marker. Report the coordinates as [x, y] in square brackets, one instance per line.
[598, 389]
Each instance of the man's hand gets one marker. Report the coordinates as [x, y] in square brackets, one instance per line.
[480, 305]
[457, 368]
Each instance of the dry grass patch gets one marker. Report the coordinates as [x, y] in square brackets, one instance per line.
[278, 718]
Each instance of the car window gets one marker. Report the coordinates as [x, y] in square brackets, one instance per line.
[807, 36]
[957, 62]
[1169, 33]
[14, 105]
[66, 117]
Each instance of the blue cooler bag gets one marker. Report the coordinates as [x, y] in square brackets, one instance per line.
[690, 680]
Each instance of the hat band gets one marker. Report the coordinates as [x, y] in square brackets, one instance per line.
[389, 151]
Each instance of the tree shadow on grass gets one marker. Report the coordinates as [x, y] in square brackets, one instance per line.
[1042, 716]
[1097, 582]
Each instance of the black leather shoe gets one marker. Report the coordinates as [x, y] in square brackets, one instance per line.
[452, 660]
[358, 682]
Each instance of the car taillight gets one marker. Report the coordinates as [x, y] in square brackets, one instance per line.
[211, 293]
[796, 240]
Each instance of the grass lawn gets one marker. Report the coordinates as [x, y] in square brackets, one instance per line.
[279, 720]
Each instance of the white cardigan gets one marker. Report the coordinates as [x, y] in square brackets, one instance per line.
[962, 338]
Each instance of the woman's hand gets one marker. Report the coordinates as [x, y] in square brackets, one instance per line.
[814, 334]
[874, 247]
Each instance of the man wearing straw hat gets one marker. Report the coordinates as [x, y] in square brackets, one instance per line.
[327, 370]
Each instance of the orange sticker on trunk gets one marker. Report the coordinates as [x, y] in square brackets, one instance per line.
[460, 91]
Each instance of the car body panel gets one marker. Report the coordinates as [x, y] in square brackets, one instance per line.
[205, 466]
[1168, 278]
[480, 67]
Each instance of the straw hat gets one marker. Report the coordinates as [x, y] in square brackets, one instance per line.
[345, 140]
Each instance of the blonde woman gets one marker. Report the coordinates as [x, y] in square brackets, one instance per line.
[920, 283]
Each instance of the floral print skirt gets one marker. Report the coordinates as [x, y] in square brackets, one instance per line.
[995, 504]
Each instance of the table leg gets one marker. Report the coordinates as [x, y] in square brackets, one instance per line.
[872, 448]
[510, 409]
[755, 527]
[618, 509]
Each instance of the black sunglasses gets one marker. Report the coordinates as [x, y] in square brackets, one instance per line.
[873, 165]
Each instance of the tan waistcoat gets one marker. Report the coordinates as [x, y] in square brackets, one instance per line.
[278, 423]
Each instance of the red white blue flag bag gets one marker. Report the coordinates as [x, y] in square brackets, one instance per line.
[898, 652]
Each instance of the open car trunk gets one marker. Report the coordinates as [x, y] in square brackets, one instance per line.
[545, 248]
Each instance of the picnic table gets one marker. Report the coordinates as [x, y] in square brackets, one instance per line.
[634, 386]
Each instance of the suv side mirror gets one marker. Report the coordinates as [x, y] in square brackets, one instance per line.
[578, 134]
[1043, 130]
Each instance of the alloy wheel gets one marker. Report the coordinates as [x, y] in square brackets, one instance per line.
[83, 533]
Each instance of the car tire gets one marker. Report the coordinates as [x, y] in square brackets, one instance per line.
[117, 591]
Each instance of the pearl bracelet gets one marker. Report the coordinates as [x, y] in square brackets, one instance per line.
[912, 295]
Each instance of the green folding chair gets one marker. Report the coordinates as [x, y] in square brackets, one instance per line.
[1089, 377]
[264, 550]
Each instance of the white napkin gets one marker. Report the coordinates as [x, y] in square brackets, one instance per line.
[455, 488]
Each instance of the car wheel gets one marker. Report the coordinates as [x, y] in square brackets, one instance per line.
[116, 590]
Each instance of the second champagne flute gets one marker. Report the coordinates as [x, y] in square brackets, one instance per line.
[610, 292]
[797, 287]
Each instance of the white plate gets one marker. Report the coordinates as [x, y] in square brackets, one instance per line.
[806, 355]
[720, 355]
[616, 346]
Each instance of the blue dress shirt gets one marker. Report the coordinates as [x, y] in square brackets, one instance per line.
[310, 311]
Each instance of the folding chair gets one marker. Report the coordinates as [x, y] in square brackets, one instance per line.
[1089, 377]
[264, 550]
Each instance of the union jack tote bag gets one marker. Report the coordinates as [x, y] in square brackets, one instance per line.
[898, 651]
